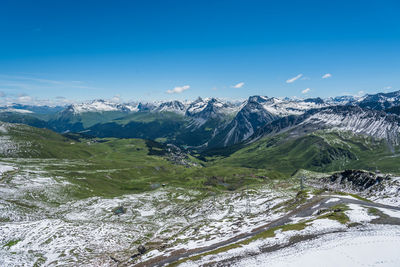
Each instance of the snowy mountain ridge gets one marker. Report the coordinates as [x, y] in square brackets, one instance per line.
[274, 105]
[100, 105]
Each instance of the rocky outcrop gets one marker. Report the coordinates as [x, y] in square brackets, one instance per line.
[356, 180]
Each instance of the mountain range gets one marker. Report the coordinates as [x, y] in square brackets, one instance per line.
[209, 124]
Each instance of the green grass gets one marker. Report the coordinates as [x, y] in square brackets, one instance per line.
[374, 211]
[336, 213]
[110, 167]
[299, 199]
[148, 117]
[378, 213]
[352, 195]
[86, 119]
[321, 151]
[11, 243]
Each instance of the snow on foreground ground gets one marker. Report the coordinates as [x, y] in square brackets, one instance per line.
[40, 222]
[375, 246]
[313, 240]
[6, 168]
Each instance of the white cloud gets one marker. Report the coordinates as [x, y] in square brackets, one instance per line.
[291, 80]
[326, 76]
[360, 93]
[385, 88]
[116, 98]
[178, 89]
[24, 99]
[239, 85]
[305, 91]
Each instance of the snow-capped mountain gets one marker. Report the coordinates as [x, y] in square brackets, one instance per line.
[209, 108]
[258, 111]
[376, 124]
[171, 106]
[25, 109]
[100, 105]
[341, 100]
[250, 117]
[201, 111]
[286, 106]
[15, 110]
[360, 121]
[196, 106]
[380, 101]
[216, 122]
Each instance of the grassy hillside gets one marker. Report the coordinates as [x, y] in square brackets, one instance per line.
[144, 125]
[110, 167]
[319, 151]
[166, 126]
[28, 119]
[77, 122]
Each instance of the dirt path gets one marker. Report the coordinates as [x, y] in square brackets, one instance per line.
[319, 202]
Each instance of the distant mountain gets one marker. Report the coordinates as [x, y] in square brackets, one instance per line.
[327, 139]
[393, 110]
[24, 118]
[285, 107]
[204, 110]
[373, 123]
[171, 106]
[250, 117]
[100, 105]
[258, 111]
[37, 109]
[145, 125]
[214, 123]
[341, 100]
[77, 118]
[380, 101]
[316, 100]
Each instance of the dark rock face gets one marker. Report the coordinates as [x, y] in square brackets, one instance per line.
[355, 179]
[213, 109]
[381, 101]
[141, 249]
[317, 100]
[173, 105]
[145, 107]
[352, 117]
[119, 210]
[247, 121]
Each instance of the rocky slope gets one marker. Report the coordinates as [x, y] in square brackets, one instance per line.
[383, 188]
[373, 123]
[380, 101]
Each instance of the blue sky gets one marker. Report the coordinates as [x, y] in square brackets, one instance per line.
[154, 50]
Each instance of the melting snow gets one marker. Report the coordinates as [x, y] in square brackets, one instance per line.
[376, 247]
[391, 213]
[5, 168]
[335, 199]
[359, 214]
